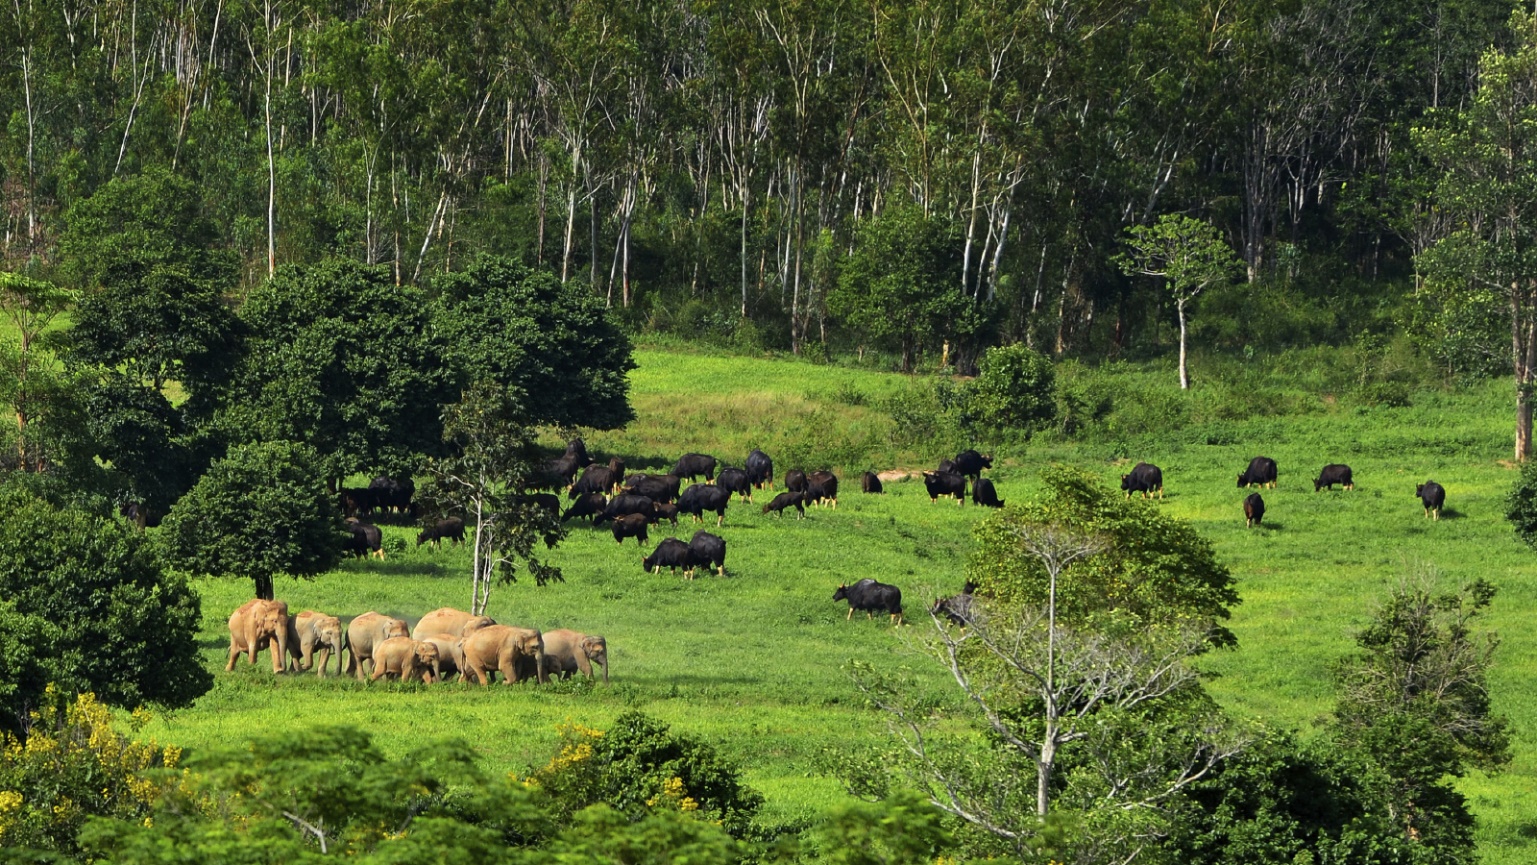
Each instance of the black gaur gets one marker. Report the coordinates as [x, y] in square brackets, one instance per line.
[693, 465]
[707, 550]
[699, 498]
[760, 469]
[630, 526]
[1145, 478]
[671, 554]
[945, 484]
[452, 528]
[868, 595]
[1253, 510]
[1433, 496]
[787, 500]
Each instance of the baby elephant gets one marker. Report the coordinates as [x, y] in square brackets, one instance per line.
[567, 653]
[406, 658]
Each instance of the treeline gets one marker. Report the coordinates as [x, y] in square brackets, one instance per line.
[715, 167]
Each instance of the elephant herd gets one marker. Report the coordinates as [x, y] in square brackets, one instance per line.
[445, 642]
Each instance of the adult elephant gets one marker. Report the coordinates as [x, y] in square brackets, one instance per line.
[567, 652]
[447, 620]
[364, 634]
[407, 658]
[257, 625]
[498, 648]
[310, 631]
[450, 654]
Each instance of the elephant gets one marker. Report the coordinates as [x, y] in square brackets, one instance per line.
[567, 652]
[258, 625]
[407, 658]
[497, 649]
[450, 655]
[447, 620]
[310, 630]
[365, 633]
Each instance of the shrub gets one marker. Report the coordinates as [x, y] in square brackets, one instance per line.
[1521, 504]
[90, 597]
[72, 766]
[639, 766]
[1014, 390]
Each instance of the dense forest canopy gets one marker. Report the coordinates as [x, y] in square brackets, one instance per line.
[706, 166]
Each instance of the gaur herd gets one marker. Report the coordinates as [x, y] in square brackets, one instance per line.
[448, 642]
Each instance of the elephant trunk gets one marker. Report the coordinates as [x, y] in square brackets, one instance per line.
[539, 665]
[604, 662]
[280, 659]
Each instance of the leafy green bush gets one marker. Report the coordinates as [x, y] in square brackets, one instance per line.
[638, 766]
[1521, 504]
[87, 594]
[1014, 390]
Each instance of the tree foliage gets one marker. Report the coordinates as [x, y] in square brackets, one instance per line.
[552, 344]
[1415, 700]
[346, 361]
[260, 511]
[89, 609]
[1156, 570]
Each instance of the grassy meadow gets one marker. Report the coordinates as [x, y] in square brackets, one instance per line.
[753, 662]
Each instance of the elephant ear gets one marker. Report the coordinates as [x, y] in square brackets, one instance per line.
[593, 646]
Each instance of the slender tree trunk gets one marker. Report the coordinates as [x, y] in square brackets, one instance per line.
[1523, 349]
[1184, 376]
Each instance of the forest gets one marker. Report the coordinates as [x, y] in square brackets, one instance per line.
[261, 255]
[727, 169]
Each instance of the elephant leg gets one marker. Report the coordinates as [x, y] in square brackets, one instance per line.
[583, 664]
[509, 665]
[234, 652]
[321, 661]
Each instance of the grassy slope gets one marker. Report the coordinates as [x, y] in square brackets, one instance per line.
[752, 662]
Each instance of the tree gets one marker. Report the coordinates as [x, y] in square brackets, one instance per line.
[1415, 700]
[1487, 157]
[1113, 722]
[30, 383]
[342, 359]
[89, 609]
[902, 283]
[260, 511]
[551, 342]
[493, 460]
[1188, 254]
[1155, 571]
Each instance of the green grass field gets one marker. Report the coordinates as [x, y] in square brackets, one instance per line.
[753, 662]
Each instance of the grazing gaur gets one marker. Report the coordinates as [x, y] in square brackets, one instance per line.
[946, 466]
[658, 488]
[870, 482]
[1253, 510]
[630, 526]
[795, 481]
[557, 473]
[1261, 472]
[699, 498]
[760, 470]
[736, 481]
[576, 449]
[365, 539]
[671, 554]
[590, 505]
[356, 501]
[620, 506]
[787, 500]
[956, 608]
[548, 501]
[616, 466]
[1334, 473]
[664, 511]
[945, 484]
[820, 487]
[868, 595]
[1145, 478]
[1433, 496]
[969, 463]
[707, 550]
[983, 493]
[693, 465]
[451, 528]
[594, 479]
[392, 495]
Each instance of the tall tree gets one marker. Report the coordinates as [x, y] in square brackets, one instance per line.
[1487, 160]
[31, 382]
[1189, 255]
